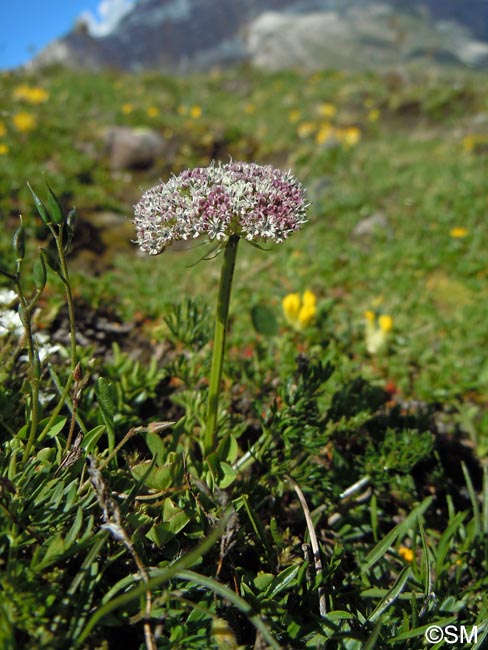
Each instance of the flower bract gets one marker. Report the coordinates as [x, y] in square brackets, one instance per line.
[258, 203]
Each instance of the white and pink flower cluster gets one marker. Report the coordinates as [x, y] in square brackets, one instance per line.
[259, 203]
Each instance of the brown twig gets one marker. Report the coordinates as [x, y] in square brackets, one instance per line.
[313, 541]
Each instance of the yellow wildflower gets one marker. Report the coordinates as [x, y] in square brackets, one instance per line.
[3, 149]
[327, 109]
[24, 122]
[3, 130]
[152, 111]
[385, 323]
[127, 108]
[377, 331]
[291, 306]
[294, 116]
[469, 142]
[305, 129]
[196, 111]
[459, 232]
[373, 115]
[406, 553]
[31, 94]
[350, 136]
[249, 108]
[326, 132]
[299, 311]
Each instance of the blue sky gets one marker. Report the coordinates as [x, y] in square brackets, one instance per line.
[27, 26]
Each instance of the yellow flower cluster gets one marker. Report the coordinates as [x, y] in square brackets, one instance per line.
[300, 310]
[475, 142]
[24, 122]
[406, 553]
[194, 111]
[378, 330]
[459, 232]
[31, 94]
[3, 145]
[348, 136]
[294, 116]
[327, 110]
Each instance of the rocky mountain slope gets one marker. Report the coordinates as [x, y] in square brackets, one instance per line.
[191, 35]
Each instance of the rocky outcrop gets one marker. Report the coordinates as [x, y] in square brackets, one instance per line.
[374, 35]
[191, 35]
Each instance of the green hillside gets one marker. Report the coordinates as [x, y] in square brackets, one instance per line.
[381, 384]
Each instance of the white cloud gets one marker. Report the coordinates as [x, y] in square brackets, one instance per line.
[108, 15]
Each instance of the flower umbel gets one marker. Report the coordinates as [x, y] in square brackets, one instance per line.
[258, 203]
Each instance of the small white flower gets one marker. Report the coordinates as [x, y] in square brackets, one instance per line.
[10, 323]
[45, 348]
[7, 297]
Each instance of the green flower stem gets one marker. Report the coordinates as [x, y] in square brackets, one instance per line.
[221, 321]
[69, 296]
[34, 365]
[63, 273]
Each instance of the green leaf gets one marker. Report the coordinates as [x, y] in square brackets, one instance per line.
[420, 631]
[227, 475]
[392, 594]
[264, 320]
[75, 529]
[106, 398]
[158, 478]
[156, 447]
[92, 437]
[56, 426]
[50, 255]
[55, 549]
[55, 209]
[174, 520]
[282, 581]
[275, 533]
[69, 231]
[263, 581]
[39, 273]
[40, 207]
[228, 449]
[19, 243]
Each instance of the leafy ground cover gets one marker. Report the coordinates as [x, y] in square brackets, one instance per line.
[346, 505]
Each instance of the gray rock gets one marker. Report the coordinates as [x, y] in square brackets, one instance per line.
[130, 148]
[369, 225]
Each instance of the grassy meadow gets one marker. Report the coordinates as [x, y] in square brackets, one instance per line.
[346, 503]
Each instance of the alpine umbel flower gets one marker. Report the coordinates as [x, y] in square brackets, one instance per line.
[258, 203]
